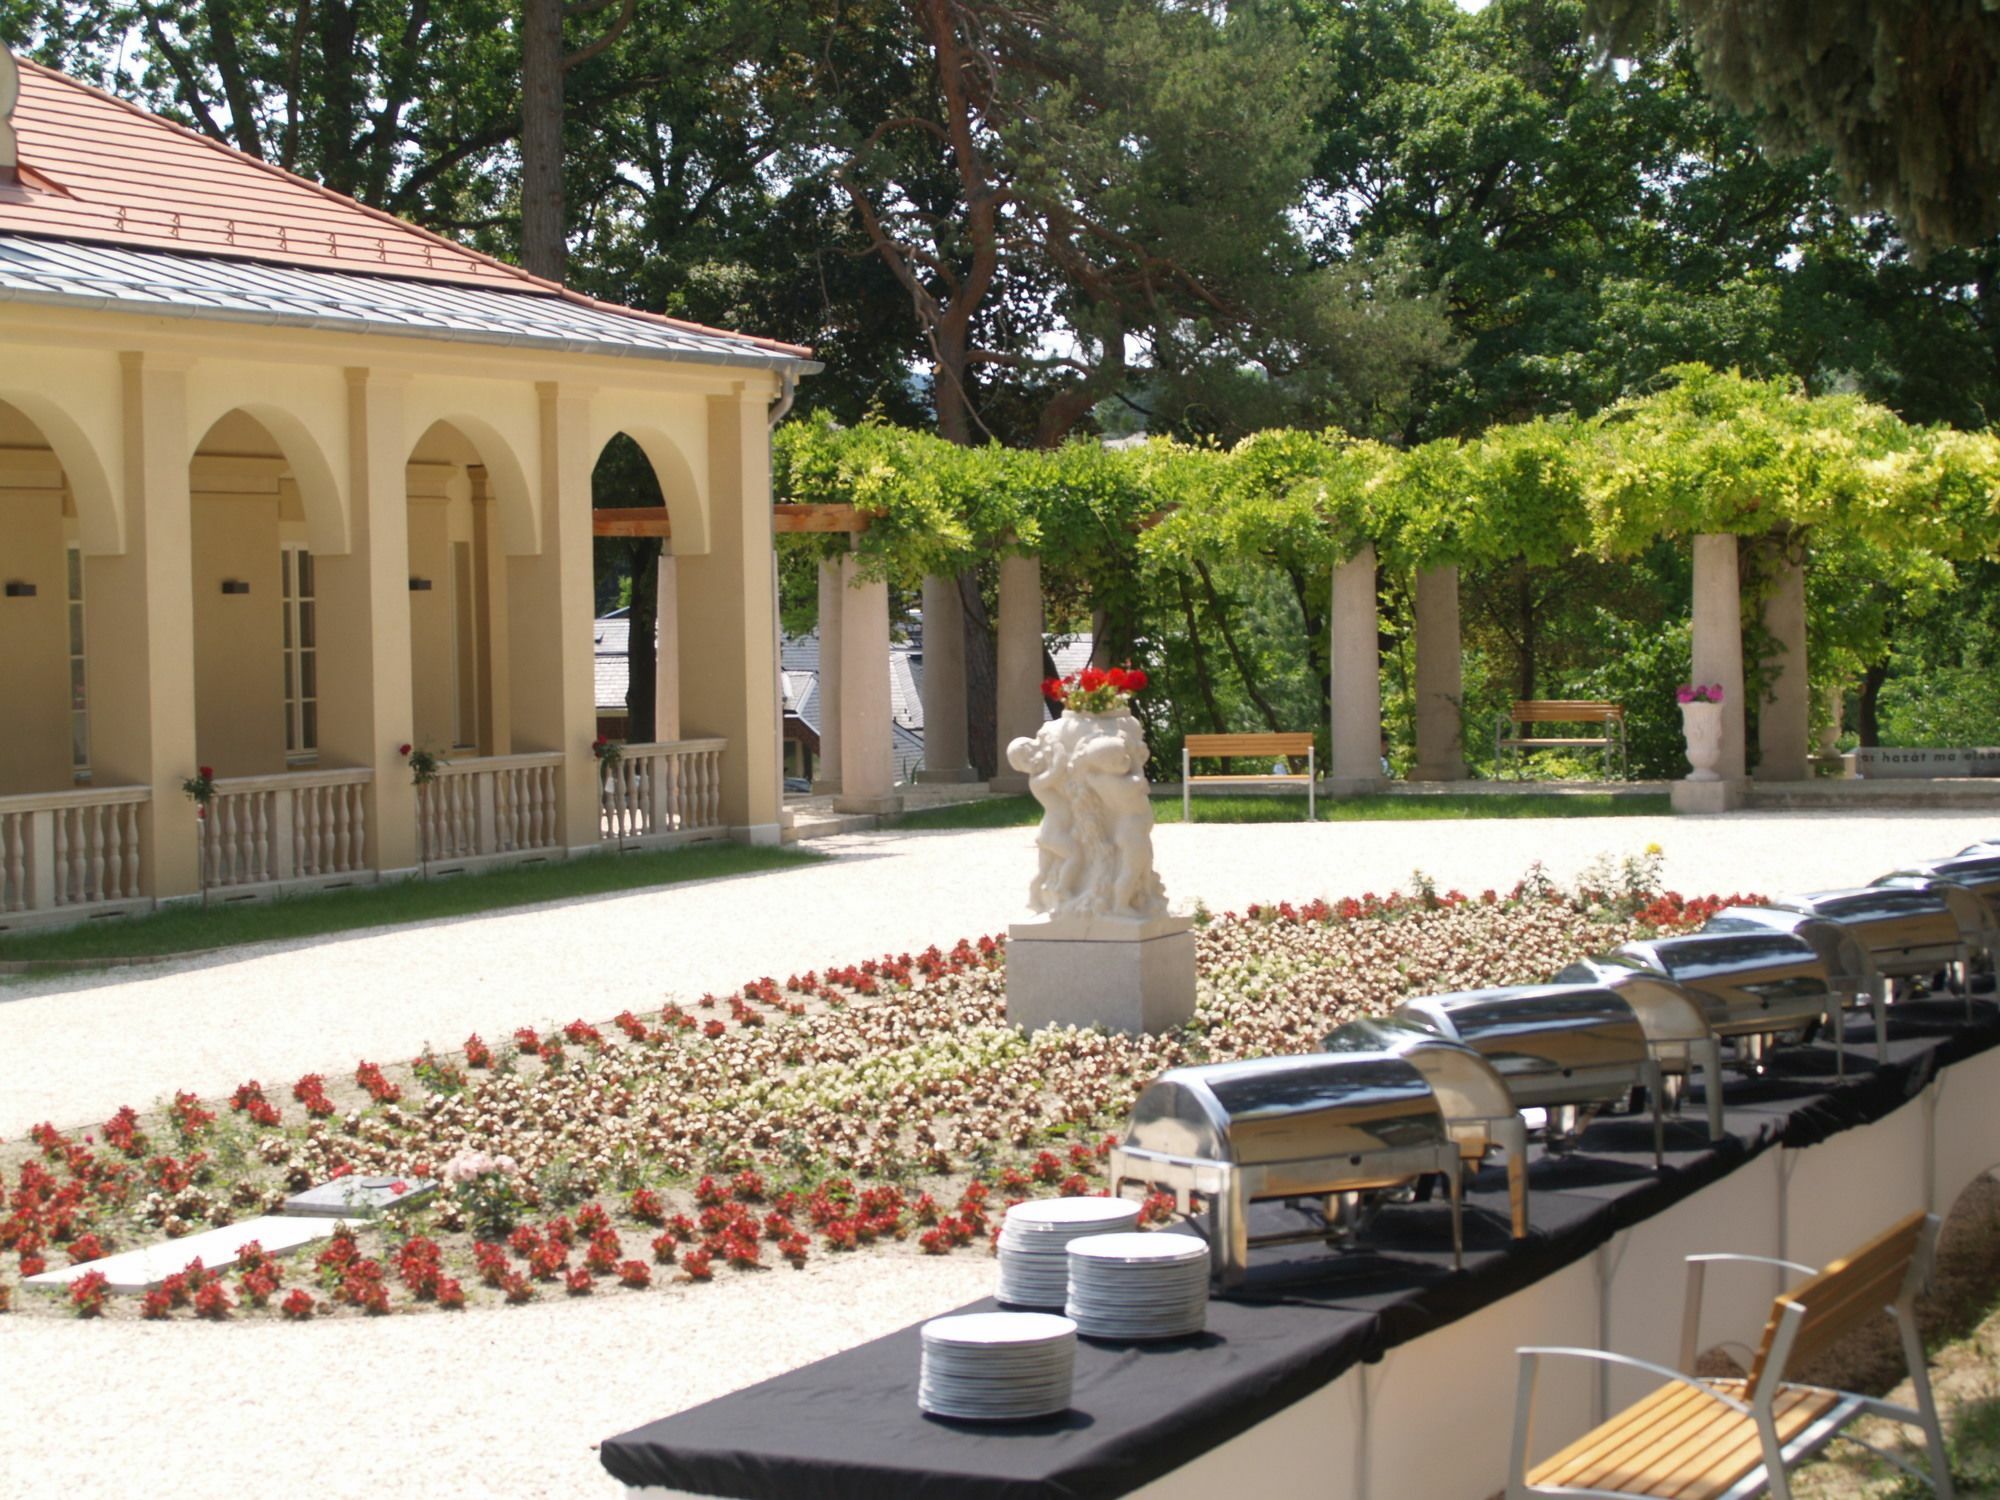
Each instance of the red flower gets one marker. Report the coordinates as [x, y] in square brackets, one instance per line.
[402, 749]
[207, 772]
[1090, 679]
[1052, 689]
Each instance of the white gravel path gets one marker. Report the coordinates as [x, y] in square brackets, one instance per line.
[507, 1401]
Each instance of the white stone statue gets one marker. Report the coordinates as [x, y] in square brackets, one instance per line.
[1089, 773]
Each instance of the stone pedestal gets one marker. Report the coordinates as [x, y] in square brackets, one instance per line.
[1725, 795]
[1122, 974]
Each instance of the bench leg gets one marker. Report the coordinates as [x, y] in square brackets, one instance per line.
[1185, 793]
[1312, 791]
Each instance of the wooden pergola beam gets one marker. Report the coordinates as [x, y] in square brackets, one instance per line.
[786, 520]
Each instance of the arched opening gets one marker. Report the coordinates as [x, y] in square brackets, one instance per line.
[256, 539]
[637, 626]
[45, 670]
[458, 591]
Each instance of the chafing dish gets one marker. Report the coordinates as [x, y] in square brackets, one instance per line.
[1346, 1132]
[1479, 1112]
[1850, 971]
[1770, 984]
[1910, 933]
[1979, 875]
[1568, 1050]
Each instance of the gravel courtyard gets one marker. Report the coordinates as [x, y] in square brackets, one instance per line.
[511, 1402]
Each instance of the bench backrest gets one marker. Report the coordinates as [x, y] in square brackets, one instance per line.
[1564, 711]
[1248, 744]
[1847, 1294]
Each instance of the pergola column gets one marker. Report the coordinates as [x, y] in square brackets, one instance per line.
[729, 687]
[944, 683]
[366, 713]
[140, 625]
[489, 567]
[1018, 663]
[667, 654]
[867, 758]
[1440, 678]
[1784, 720]
[1718, 639]
[1357, 674]
[828, 779]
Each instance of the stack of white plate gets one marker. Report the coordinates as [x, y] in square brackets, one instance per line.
[1035, 1239]
[1138, 1286]
[997, 1367]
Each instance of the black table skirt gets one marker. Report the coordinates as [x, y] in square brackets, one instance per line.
[848, 1428]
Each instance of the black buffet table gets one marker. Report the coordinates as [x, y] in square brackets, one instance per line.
[848, 1428]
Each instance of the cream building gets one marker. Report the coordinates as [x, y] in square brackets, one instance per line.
[287, 484]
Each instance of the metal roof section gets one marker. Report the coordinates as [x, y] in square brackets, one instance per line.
[162, 284]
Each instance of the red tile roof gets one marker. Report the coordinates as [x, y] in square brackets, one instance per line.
[96, 168]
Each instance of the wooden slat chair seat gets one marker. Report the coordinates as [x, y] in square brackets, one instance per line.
[1699, 1439]
[1509, 732]
[1210, 746]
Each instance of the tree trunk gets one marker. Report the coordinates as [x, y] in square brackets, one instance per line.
[642, 644]
[543, 248]
[1867, 727]
[982, 677]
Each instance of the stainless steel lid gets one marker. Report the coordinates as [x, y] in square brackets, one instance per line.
[1905, 929]
[1280, 1109]
[1767, 980]
[1465, 1084]
[1537, 1029]
[1849, 965]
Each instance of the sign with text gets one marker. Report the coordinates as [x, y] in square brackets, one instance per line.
[1879, 762]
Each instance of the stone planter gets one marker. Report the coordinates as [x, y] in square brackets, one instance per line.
[1701, 726]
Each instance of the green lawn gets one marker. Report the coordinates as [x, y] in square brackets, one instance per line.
[187, 929]
[1013, 812]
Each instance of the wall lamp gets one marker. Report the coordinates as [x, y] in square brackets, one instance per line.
[16, 589]
[235, 586]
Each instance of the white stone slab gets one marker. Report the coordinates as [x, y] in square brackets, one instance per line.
[1146, 985]
[142, 1270]
[1879, 762]
[357, 1195]
[1092, 928]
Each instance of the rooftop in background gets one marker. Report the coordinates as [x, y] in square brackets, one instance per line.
[97, 171]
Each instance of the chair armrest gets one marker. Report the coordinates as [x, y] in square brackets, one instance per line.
[1697, 1270]
[1755, 1260]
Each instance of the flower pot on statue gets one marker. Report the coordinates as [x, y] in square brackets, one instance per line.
[1701, 726]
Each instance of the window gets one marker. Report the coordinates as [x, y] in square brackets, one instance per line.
[301, 646]
[79, 702]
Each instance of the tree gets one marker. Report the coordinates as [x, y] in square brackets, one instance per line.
[544, 223]
[1905, 94]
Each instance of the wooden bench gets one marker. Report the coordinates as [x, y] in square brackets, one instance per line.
[1509, 733]
[1209, 746]
[1705, 1439]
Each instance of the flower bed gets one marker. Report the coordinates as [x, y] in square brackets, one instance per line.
[886, 1103]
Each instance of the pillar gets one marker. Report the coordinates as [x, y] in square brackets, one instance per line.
[1440, 682]
[365, 707]
[828, 779]
[140, 624]
[1784, 727]
[1018, 665]
[867, 753]
[489, 568]
[729, 685]
[945, 756]
[1357, 675]
[667, 654]
[1718, 639]
[553, 688]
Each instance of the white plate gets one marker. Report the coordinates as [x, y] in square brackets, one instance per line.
[1139, 1249]
[982, 1330]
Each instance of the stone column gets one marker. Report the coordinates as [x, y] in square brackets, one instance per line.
[667, 654]
[489, 567]
[867, 758]
[553, 689]
[1440, 680]
[828, 777]
[1018, 665]
[140, 625]
[1784, 725]
[1718, 639]
[729, 684]
[944, 683]
[366, 712]
[1357, 676]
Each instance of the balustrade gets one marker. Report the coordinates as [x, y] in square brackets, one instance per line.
[491, 807]
[62, 850]
[662, 793]
[302, 825]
